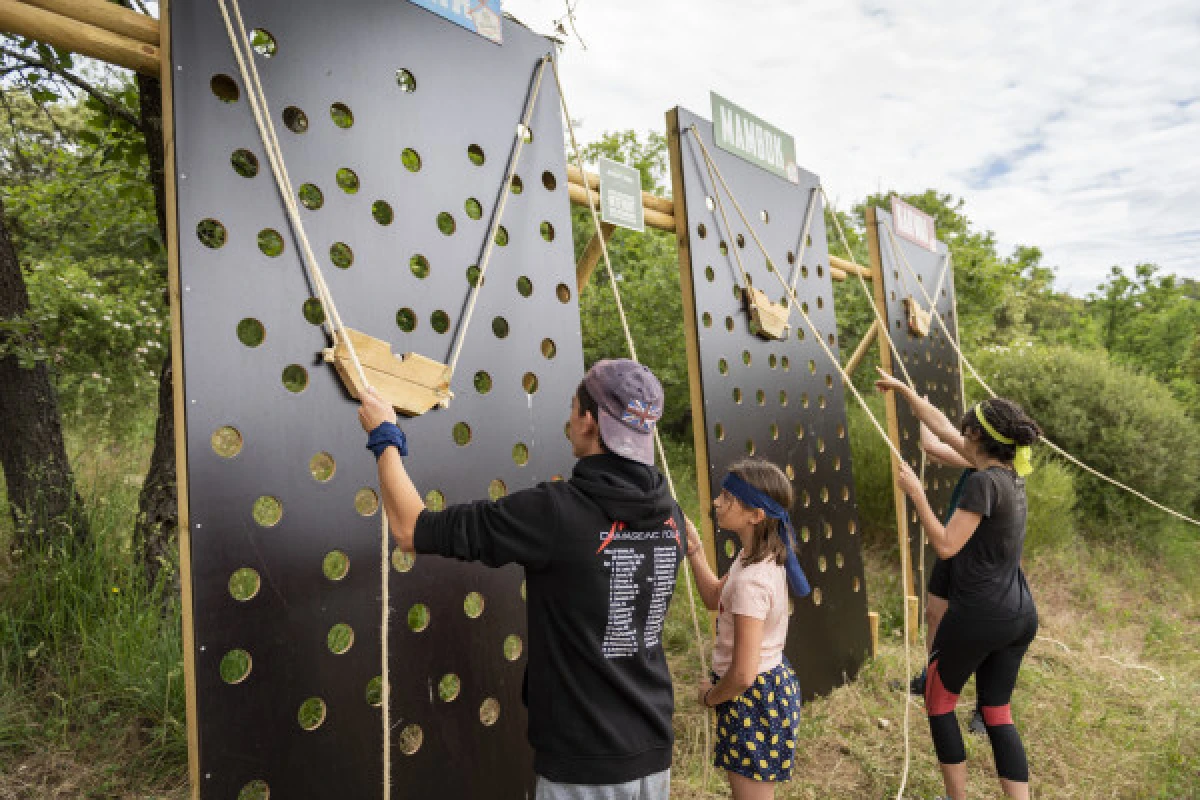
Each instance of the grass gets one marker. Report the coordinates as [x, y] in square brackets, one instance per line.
[91, 703]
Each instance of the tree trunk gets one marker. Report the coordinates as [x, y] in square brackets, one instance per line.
[41, 488]
[158, 505]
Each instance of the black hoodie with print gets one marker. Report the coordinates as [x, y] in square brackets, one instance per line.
[601, 552]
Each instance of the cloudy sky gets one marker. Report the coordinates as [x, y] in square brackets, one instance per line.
[1073, 126]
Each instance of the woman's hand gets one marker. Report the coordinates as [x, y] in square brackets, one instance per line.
[695, 545]
[375, 411]
[909, 481]
[887, 383]
[704, 688]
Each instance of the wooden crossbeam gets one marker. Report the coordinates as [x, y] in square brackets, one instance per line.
[68, 33]
[106, 16]
[653, 218]
[591, 255]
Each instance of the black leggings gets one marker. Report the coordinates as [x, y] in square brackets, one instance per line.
[992, 649]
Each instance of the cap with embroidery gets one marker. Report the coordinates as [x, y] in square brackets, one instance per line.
[630, 400]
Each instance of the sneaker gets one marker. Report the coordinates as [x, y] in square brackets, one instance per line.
[917, 685]
[976, 725]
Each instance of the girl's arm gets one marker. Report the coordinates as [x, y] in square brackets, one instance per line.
[946, 540]
[747, 647]
[940, 452]
[925, 411]
[707, 582]
[401, 500]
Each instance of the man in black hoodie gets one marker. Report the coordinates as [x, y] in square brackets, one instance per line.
[601, 553]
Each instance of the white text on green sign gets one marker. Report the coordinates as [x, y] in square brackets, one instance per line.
[743, 134]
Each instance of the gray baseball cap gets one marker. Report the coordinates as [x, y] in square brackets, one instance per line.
[630, 400]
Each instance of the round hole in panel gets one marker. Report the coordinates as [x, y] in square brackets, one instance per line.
[749, 447]
[524, 286]
[435, 500]
[764, 216]
[812, 464]
[805, 533]
[270, 242]
[445, 223]
[730, 548]
[335, 565]
[483, 382]
[411, 159]
[263, 43]
[790, 472]
[225, 88]
[462, 434]
[497, 489]
[473, 605]
[741, 241]
[402, 561]
[295, 120]
[347, 180]
[706, 319]
[719, 432]
[723, 366]
[255, 790]
[783, 398]
[772, 361]
[852, 527]
[311, 713]
[410, 739]
[837, 463]
[822, 564]
[549, 349]
[746, 358]
[708, 202]
[310, 196]
[322, 467]
[856, 584]
[227, 441]
[828, 529]
[839, 560]
[520, 454]
[774, 431]
[267, 511]
[701, 231]
[710, 274]
[341, 115]
[475, 154]
[382, 212]
[737, 395]
[440, 321]
[799, 430]
[406, 81]
[729, 324]
[786, 363]
[529, 382]
[500, 327]
[340, 638]
[564, 293]
[418, 618]
[366, 502]
[406, 320]
[512, 647]
[374, 693]
[547, 231]
[845, 493]
[502, 236]
[341, 255]
[473, 276]
[244, 584]
[295, 378]
[489, 711]
[817, 596]
[211, 233]
[244, 163]
[549, 181]
[517, 186]
[805, 499]
[760, 397]
[449, 687]
[824, 494]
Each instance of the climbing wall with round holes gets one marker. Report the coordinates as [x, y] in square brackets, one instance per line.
[930, 360]
[780, 399]
[396, 127]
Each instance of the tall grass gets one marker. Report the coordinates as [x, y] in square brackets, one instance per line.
[90, 656]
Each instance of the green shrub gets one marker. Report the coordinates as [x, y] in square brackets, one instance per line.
[1121, 423]
[870, 461]
[1050, 491]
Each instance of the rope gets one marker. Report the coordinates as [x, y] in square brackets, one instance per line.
[975, 374]
[728, 228]
[332, 324]
[497, 213]
[808, 215]
[266, 129]
[863, 403]
[658, 445]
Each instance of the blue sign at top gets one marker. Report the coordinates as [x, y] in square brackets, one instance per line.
[480, 16]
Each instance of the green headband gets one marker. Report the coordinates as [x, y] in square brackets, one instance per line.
[1023, 461]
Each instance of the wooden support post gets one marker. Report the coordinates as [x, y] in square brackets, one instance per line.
[78, 37]
[913, 608]
[873, 622]
[848, 267]
[654, 219]
[863, 346]
[592, 255]
[106, 16]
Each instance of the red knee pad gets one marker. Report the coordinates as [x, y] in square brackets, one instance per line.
[938, 700]
[997, 715]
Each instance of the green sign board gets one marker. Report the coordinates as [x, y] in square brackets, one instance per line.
[746, 136]
[620, 195]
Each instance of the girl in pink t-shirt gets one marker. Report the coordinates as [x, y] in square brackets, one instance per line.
[753, 688]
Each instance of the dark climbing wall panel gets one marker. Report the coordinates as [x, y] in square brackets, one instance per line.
[388, 117]
[930, 360]
[782, 399]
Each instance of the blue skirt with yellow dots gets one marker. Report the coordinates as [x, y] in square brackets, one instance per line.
[756, 731]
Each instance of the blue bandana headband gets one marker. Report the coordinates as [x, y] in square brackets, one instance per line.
[755, 498]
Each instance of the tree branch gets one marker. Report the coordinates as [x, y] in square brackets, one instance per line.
[114, 108]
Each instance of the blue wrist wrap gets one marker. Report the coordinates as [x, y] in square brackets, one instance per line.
[385, 435]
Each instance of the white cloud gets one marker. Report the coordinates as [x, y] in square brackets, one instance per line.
[1068, 125]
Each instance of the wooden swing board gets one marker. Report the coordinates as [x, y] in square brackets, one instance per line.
[768, 320]
[412, 383]
[919, 320]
